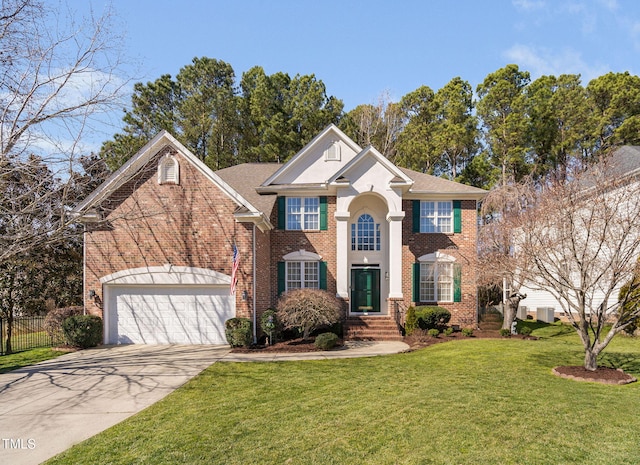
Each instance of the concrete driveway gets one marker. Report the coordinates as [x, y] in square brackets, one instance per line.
[47, 408]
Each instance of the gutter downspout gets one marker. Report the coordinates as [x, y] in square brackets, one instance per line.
[253, 291]
[84, 269]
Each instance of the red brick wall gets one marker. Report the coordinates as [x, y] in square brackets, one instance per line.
[462, 246]
[321, 242]
[147, 224]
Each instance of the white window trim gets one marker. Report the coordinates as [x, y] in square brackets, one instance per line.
[333, 152]
[303, 213]
[437, 216]
[435, 259]
[302, 256]
[303, 279]
[356, 234]
[162, 175]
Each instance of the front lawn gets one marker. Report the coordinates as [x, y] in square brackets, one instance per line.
[25, 358]
[465, 402]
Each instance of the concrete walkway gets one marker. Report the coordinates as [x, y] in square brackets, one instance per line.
[351, 349]
[48, 407]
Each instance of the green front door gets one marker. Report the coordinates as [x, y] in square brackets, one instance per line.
[365, 290]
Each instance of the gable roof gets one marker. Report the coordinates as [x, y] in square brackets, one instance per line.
[624, 161]
[128, 170]
[371, 152]
[246, 177]
[299, 158]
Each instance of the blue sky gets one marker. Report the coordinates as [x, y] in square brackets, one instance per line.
[361, 49]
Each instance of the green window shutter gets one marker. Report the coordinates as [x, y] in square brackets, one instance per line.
[282, 212]
[323, 213]
[323, 275]
[416, 282]
[457, 216]
[416, 216]
[281, 278]
[457, 282]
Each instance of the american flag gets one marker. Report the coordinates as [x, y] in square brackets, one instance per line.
[234, 269]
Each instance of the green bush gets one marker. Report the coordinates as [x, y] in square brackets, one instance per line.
[326, 341]
[505, 332]
[430, 317]
[448, 331]
[468, 332]
[54, 319]
[525, 331]
[83, 330]
[411, 321]
[433, 332]
[270, 325]
[238, 332]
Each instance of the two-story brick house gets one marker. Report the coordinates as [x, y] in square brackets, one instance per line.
[161, 232]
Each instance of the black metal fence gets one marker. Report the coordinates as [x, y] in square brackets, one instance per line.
[27, 333]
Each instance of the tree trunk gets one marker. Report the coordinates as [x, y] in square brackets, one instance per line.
[591, 359]
[509, 314]
[8, 347]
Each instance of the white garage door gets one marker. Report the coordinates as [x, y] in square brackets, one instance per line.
[168, 314]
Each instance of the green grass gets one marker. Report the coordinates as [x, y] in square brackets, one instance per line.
[469, 401]
[28, 357]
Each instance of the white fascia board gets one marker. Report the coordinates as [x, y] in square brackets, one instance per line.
[370, 151]
[294, 160]
[441, 195]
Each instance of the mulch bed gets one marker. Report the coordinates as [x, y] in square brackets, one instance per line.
[292, 346]
[602, 375]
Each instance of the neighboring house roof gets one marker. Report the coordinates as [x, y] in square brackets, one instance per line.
[624, 161]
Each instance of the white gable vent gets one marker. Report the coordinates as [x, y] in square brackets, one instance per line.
[332, 152]
[168, 170]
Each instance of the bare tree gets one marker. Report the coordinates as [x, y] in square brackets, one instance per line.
[57, 78]
[580, 242]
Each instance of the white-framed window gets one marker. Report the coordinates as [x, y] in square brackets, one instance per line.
[303, 274]
[438, 278]
[436, 282]
[365, 234]
[436, 217]
[303, 213]
[168, 170]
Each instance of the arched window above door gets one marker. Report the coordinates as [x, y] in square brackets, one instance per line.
[365, 234]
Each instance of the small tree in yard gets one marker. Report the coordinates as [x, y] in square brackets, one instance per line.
[308, 309]
[580, 242]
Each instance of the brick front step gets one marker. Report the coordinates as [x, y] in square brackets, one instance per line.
[371, 328]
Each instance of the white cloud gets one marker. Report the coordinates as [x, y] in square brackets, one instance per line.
[543, 61]
[529, 5]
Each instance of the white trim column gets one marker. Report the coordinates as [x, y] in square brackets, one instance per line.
[395, 254]
[342, 254]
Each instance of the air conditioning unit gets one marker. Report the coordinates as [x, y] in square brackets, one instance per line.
[545, 314]
[521, 314]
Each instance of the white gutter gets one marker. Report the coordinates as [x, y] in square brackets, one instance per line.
[253, 258]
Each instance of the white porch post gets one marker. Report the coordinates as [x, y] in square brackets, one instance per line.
[395, 254]
[342, 262]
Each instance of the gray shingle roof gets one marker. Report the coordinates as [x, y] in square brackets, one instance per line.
[246, 177]
[426, 183]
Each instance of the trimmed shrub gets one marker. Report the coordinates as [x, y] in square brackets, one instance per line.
[308, 309]
[270, 325]
[326, 341]
[83, 330]
[238, 332]
[467, 332]
[430, 317]
[53, 322]
[411, 321]
[433, 332]
[448, 331]
[505, 332]
[525, 331]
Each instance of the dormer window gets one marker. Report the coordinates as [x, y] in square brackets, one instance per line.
[332, 152]
[168, 170]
